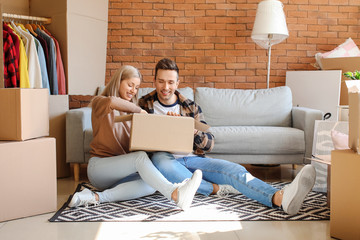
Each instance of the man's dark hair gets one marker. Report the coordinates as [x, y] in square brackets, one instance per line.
[166, 64]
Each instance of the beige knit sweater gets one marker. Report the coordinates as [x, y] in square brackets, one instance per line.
[110, 138]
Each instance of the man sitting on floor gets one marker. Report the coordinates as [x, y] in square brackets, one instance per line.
[219, 176]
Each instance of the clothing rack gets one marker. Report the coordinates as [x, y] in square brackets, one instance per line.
[43, 20]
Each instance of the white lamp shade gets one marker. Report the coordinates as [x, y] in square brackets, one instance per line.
[270, 24]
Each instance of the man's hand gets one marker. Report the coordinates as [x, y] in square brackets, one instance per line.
[143, 111]
[173, 114]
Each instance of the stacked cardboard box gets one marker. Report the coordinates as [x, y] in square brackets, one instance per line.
[58, 106]
[28, 155]
[345, 195]
[345, 179]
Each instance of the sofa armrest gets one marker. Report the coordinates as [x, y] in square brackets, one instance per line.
[77, 120]
[304, 118]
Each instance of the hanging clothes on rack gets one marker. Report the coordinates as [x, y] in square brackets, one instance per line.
[43, 66]
[52, 61]
[9, 60]
[44, 47]
[41, 56]
[59, 66]
[36, 50]
[34, 69]
[16, 42]
[23, 76]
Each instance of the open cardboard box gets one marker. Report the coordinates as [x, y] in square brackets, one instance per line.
[345, 64]
[150, 132]
[345, 164]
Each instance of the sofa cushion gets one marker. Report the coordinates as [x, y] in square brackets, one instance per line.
[236, 107]
[258, 140]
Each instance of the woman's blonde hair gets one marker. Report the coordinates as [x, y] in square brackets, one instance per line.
[125, 72]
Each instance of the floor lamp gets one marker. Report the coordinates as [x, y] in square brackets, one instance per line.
[269, 27]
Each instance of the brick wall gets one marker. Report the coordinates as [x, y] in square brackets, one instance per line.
[210, 39]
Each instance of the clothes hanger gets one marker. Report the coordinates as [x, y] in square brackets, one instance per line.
[31, 30]
[21, 26]
[34, 26]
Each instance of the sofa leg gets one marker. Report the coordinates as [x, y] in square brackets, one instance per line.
[76, 171]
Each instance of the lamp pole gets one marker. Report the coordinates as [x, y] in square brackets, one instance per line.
[270, 36]
[268, 68]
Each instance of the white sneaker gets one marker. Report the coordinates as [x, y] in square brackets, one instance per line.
[225, 190]
[187, 190]
[295, 192]
[84, 198]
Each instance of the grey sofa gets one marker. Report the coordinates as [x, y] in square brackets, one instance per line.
[250, 126]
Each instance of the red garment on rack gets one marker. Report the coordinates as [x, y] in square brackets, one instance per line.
[9, 55]
[16, 42]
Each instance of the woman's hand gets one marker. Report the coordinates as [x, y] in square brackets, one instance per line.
[143, 111]
[173, 114]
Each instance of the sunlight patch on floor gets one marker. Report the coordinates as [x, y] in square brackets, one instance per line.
[172, 230]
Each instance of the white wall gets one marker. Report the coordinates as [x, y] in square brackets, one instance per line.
[87, 42]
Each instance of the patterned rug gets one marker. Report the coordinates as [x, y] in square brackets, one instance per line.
[155, 207]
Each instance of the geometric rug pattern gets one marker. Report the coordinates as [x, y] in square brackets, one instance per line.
[155, 207]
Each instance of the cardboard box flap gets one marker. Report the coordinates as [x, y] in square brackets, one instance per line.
[124, 118]
[197, 124]
[341, 63]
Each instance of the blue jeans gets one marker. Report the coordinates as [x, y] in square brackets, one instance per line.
[216, 171]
